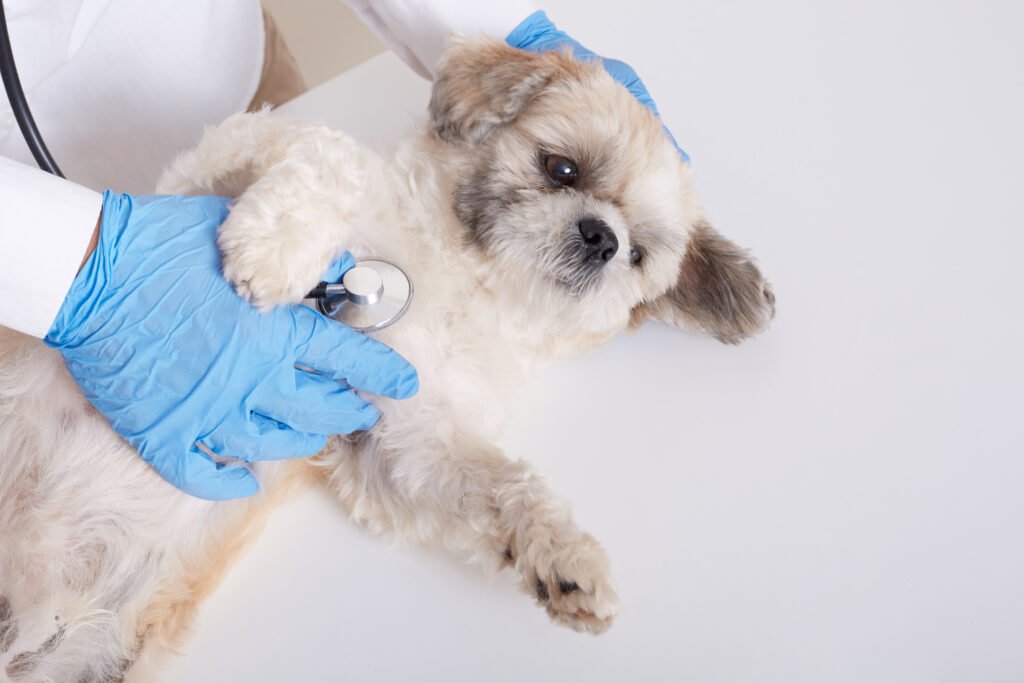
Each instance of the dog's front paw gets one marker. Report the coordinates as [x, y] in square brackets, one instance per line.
[572, 581]
[269, 264]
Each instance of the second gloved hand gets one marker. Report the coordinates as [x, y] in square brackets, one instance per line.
[183, 368]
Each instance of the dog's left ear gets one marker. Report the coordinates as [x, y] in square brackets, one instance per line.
[481, 85]
[720, 291]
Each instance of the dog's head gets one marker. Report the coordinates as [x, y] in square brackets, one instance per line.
[578, 203]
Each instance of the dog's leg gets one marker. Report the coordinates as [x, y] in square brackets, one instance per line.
[498, 512]
[233, 155]
[298, 186]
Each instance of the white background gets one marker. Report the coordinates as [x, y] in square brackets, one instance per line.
[837, 500]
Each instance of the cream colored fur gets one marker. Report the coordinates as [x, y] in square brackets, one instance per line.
[103, 563]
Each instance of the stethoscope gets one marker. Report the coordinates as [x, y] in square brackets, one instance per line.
[371, 296]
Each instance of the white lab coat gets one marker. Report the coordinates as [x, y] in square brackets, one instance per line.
[118, 87]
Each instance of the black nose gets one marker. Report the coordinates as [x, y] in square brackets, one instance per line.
[600, 243]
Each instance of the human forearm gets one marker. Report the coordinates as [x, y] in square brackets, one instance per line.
[45, 229]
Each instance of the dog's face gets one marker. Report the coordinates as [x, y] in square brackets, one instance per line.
[568, 187]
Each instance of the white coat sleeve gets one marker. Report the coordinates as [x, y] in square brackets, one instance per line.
[46, 223]
[419, 31]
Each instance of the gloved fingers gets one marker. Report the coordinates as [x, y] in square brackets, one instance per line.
[279, 441]
[340, 353]
[319, 405]
[264, 438]
[198, 475]
[627, 76]
[338, 268]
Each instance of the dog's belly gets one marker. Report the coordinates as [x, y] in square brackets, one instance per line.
[91, 537]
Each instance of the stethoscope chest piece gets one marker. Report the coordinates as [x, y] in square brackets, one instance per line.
[372, 295]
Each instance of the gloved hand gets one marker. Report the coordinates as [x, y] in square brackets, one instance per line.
[181, 366]
[537, 33]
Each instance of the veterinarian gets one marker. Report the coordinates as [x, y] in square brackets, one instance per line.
[128, 288]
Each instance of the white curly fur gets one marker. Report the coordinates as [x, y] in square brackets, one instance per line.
[103, 562]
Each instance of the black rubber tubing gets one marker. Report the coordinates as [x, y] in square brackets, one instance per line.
[16, 96]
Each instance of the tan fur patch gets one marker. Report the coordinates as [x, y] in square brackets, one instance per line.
[167, 619]
[8, 625]
[23, 663]
[483, 84]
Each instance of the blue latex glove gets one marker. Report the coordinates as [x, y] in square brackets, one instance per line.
[537, 33]
[167, 351]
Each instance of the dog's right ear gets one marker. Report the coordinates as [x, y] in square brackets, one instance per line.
[481, 85]
[720, 290]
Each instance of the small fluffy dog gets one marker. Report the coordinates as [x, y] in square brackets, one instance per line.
[540, 212]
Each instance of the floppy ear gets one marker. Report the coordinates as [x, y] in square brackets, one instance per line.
[720, 291]
[483, 84]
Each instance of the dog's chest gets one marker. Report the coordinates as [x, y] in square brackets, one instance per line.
[465, 364]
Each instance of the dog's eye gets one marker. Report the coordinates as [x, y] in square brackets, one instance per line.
[635, 256]
[563, 171]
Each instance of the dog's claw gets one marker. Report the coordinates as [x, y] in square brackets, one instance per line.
[588, 602]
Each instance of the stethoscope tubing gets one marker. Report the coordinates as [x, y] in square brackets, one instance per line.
[19, 105]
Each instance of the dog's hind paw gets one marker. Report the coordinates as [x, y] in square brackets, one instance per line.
[572, 582]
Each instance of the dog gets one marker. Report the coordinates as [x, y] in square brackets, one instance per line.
[540, 211]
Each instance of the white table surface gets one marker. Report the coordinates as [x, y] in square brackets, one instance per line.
[838, 500]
